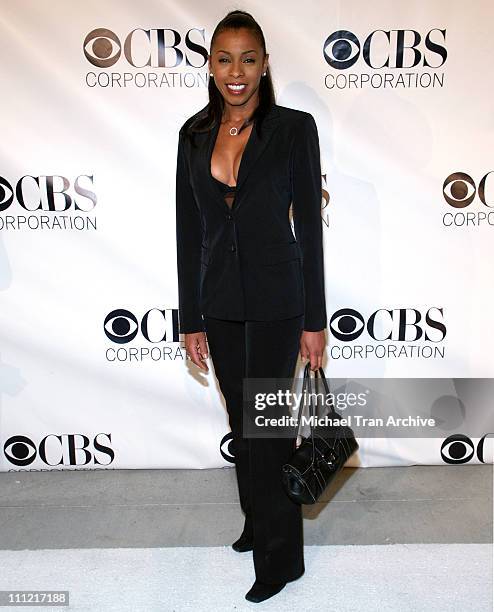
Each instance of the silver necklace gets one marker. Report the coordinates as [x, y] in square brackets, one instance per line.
[234, 131]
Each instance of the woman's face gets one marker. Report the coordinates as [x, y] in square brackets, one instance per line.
[237, 59]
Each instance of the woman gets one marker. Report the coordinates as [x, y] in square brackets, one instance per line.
[245, 281]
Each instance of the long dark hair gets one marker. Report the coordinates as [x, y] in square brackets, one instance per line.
[212, 113]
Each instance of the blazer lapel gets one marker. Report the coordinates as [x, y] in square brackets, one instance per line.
[256, 145]
[252, 152]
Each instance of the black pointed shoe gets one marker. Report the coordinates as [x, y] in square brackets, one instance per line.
[261, 591]
[243, 544]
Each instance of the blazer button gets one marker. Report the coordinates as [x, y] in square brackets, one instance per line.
[233, 248]
[229, 216]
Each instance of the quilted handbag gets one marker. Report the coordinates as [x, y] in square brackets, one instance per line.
[318, 459]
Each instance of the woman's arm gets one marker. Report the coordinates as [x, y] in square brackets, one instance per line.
[307, 197]
[189, 239]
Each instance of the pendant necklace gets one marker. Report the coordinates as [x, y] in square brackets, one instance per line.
[234, 131]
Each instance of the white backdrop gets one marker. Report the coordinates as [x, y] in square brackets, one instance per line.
[93, 373]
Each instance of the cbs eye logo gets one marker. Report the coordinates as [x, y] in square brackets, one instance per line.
[459, 190]
[342, 48]
[121, 326]
[458, 449]
[227, 448]
[102, 48]
[20, 451]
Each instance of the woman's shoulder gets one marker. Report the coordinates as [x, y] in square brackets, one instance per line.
[293, 115]
[298, 124]
[190, 120]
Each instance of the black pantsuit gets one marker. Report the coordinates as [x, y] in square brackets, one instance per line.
[253, 286]
[261, 349]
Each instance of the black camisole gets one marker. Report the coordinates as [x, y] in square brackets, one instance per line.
[227, 190]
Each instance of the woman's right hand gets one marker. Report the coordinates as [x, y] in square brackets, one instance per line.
[197, 349]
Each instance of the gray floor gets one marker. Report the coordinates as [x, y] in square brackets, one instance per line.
[362, 578]
[170, 508]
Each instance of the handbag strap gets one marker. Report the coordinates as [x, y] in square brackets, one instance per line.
[307, 385]
[335, 415]
[302, 403]
[320, 372]
[312, 413]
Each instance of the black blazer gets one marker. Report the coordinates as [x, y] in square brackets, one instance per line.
[245, 263]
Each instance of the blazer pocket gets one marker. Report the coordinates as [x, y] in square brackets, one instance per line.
[277, 253]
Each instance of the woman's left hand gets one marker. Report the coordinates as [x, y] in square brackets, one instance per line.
[312, 346]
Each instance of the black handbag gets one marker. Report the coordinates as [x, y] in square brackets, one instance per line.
[318, 459]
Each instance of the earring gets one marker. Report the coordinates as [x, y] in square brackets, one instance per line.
[210, 74]
[263, 74]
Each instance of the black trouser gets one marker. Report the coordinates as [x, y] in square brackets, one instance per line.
[261, 349]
